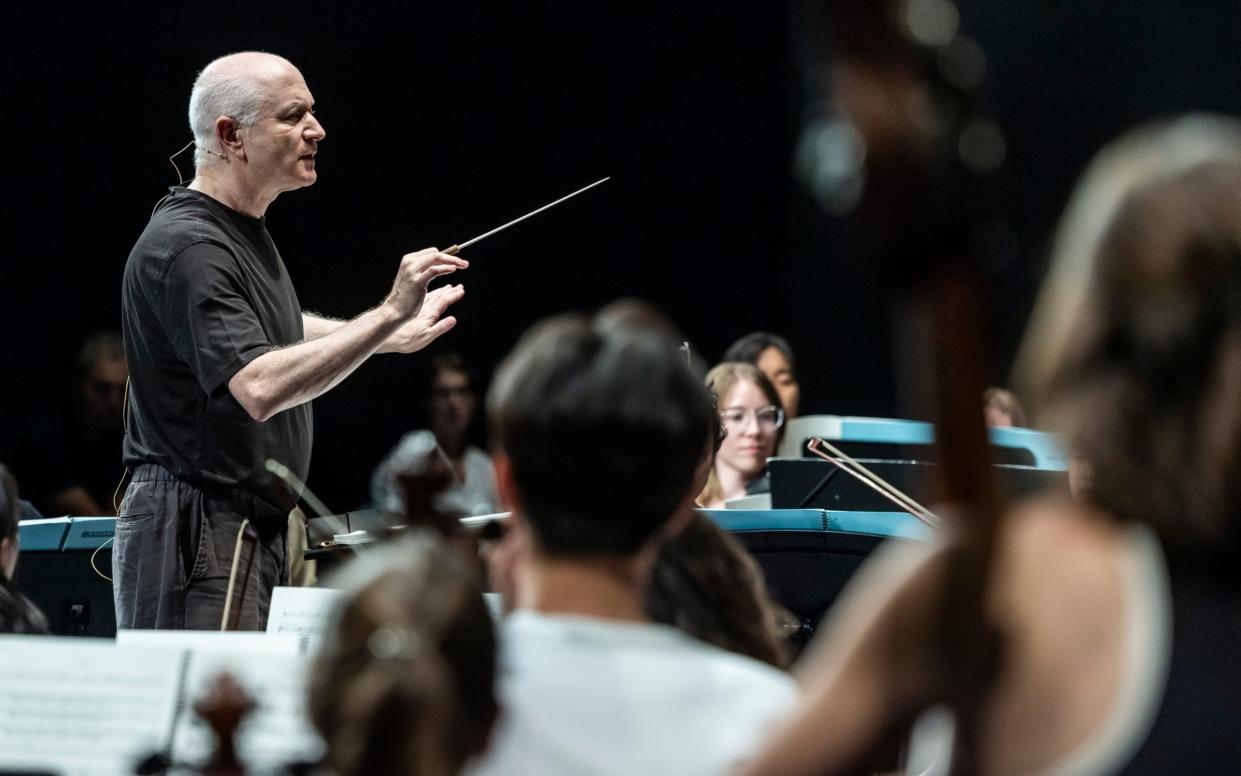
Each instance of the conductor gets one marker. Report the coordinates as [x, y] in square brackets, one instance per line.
[223, 362]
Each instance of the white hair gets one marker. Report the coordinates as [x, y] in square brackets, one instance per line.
[224, 88]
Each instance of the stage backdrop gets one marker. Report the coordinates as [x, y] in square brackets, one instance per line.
[444, 120]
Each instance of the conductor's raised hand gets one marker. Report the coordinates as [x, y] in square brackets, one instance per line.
[430, 322]
[417, 270]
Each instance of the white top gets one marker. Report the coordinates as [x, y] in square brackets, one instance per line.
[582, 695]
[477, 493]
[1147, 661]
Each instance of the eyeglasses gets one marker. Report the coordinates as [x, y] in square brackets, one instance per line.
[770, 417]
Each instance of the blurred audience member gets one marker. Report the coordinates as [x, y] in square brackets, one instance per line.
[17, 613]
[1122, 614]
[771, 354]
[405, 680]
[1001, 409]
[69, 457]
[708, 586]
[471, 486]
[752, 419]
[598, 428]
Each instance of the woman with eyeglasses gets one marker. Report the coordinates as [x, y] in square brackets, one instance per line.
[752, 420]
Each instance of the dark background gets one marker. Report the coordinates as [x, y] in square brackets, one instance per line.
[444, 120]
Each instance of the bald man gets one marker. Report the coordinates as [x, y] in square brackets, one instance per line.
[223, 362]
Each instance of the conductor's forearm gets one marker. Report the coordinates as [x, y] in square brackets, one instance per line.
[285, 378]
[315, 326]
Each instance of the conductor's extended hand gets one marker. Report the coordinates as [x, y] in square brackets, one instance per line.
[409, 319]
[427, 326]
[416, 272]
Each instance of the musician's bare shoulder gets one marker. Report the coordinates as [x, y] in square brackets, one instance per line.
[1063, 597]
[1076, 596]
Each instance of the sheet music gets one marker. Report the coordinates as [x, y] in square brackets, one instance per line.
[246, 642]
[304, 612]
[276, 733]
[84, 706]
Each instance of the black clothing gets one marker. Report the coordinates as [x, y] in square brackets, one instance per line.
[54, 453]
[17, 613]
[1198, 726]
[173, 554]
[205, 292]
[759, 485]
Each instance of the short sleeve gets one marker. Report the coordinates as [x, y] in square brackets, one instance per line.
[209, 317]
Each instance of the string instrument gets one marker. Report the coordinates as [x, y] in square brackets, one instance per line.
[907, 81]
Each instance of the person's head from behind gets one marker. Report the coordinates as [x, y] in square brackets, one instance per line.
[597, 427]
[773, 356]
[9, 510]
[101, 376]
[708, 586]
[17, 614]
[751, 417]
[637, 313]
[253, 120]
[450, 400]
[1135, 347]
[405, 680]
[1001, 409]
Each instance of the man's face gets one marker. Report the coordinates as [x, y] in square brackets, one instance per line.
[103, 393]
[452, 403]
[280, 147]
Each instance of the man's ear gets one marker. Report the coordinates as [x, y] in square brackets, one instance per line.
[226, 133]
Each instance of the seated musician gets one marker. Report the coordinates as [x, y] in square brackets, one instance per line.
[1120, 617]
[17, 613]
[751, 414]
[405, 681]
[706, 584]
[773, 356]
[1001, 409]
[471, 489]
[598, 427]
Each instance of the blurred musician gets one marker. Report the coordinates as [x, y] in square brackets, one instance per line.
[1120, 616]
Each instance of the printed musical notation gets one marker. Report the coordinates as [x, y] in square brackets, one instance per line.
[81, 706]
[302, 611]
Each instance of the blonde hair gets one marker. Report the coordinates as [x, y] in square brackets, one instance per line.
[720, 380]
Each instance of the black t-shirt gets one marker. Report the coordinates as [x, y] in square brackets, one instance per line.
[205, 292]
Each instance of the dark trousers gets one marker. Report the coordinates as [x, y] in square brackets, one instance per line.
[174, 549]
